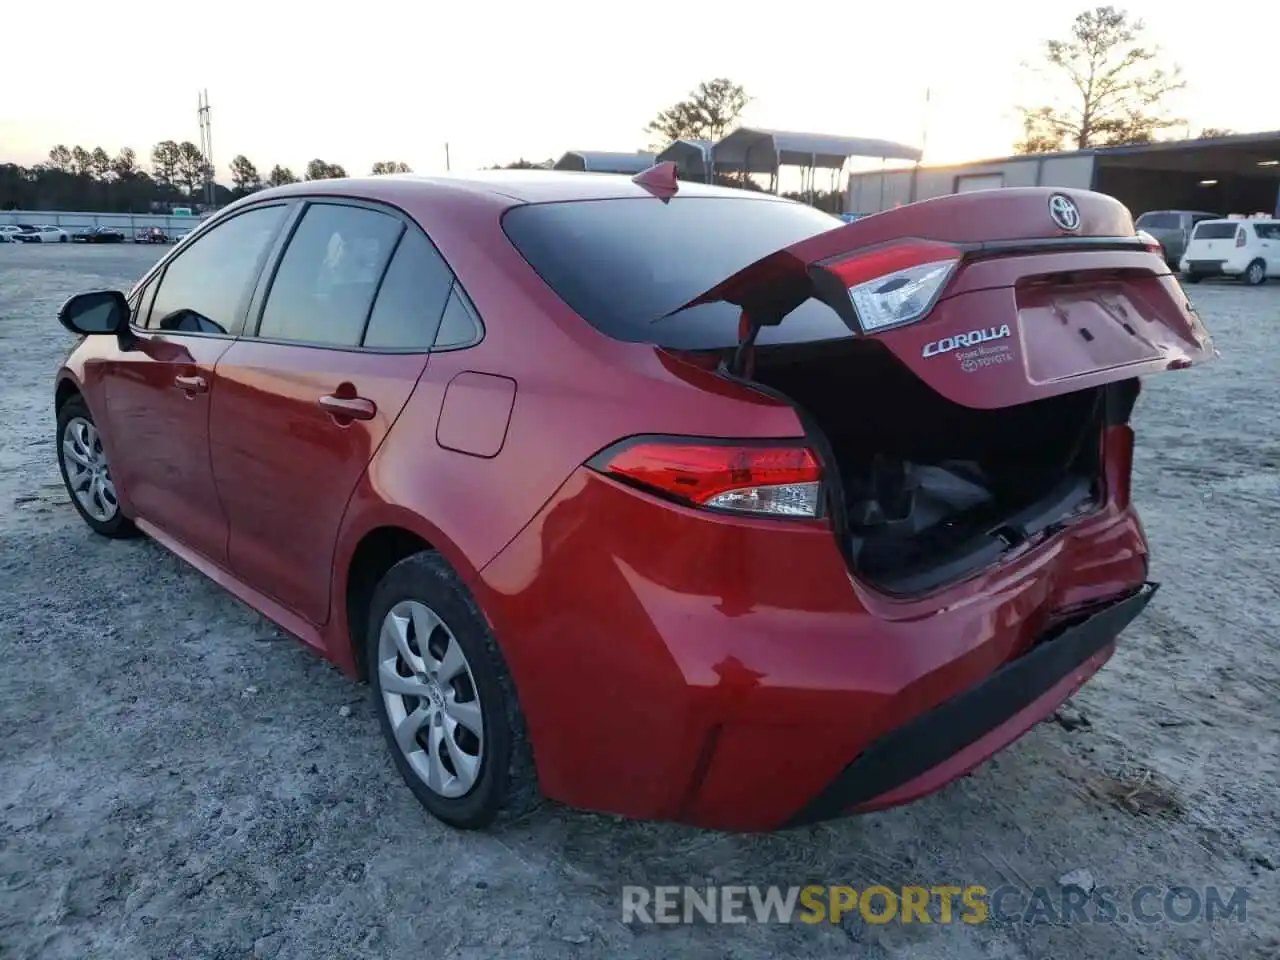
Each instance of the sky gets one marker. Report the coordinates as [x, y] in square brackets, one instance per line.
[499, 80]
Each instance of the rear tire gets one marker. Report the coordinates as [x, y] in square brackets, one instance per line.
[1255, 274]
[437, 675]
[86, 472]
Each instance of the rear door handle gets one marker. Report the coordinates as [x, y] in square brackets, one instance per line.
[191, 384]
[353, 408]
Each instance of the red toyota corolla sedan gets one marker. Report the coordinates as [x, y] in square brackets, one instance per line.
[662, 499]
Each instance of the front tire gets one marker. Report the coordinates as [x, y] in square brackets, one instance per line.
[445, 699]
[86, 472]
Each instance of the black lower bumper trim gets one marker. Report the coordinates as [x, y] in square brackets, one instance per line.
[930, 739]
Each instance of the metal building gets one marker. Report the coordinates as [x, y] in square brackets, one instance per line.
[599, 161]
[1239, 173]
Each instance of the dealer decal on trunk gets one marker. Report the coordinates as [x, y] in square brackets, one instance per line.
[971, 348]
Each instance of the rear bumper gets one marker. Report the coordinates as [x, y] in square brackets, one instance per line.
[1213, 268]
[724, 673]
[958, 734]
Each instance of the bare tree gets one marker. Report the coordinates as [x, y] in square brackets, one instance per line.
[1114, 87]
[706, 114]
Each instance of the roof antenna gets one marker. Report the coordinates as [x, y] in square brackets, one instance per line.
[660, 180]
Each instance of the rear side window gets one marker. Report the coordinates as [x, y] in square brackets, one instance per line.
[1161, 221]
[1267, 231]
[459, 327]
[324, 287]
[1210, 230]
[412, 297]
[624, 264]
[204, 287]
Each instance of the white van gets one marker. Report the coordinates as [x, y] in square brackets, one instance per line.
[1246, 249]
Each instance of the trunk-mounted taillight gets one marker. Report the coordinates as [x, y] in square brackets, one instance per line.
[760, 479]
[886, 286]
[1240, 238]
[1149, 242]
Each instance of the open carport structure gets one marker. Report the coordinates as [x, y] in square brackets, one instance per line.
[600, 161]
[761, 151]
[1235, 174]
[692, 159]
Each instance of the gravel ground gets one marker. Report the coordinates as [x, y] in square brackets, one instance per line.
[178, 779]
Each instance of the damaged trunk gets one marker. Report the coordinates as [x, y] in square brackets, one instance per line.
[926, 491]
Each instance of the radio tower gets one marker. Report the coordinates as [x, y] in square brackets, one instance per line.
[206, 146]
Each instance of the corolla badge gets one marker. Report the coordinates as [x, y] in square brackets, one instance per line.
[1064, 212]
[973, 338]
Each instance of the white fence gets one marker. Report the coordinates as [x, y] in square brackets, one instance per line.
[127, 223]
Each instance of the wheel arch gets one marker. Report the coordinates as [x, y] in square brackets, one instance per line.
[66, 388]
[366, 552]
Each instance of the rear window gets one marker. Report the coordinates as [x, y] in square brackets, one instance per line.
[1267, 231]
[623, 264]
[1161, 221]
[1215, 231]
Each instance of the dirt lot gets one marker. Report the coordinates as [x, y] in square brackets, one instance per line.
[177, 779]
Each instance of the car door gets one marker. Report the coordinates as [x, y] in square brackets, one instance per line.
[341, 333]
[158, 389]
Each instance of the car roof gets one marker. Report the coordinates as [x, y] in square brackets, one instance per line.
[507, 187]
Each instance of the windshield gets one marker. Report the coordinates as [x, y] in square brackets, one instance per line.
[622, 264]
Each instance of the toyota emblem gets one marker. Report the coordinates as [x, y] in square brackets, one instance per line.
[1064, 212]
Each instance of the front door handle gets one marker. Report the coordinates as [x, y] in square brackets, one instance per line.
[191, 385]
[348, 408]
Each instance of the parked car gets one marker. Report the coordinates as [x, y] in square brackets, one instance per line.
[694, 477]
[151, 235]
[1248, 250]
[43, 233]
[1172, 228]
[99, 235]
[9, 231]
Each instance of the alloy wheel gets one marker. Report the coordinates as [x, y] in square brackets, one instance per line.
[431, 698]
[88, 473]
[1256, 271]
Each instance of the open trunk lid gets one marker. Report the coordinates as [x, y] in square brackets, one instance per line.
[992, 298]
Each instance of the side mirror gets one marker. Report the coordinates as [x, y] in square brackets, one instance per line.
[96, 312]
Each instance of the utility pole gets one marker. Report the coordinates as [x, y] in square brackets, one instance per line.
[924, 126]
[206, 145]
[446, 156]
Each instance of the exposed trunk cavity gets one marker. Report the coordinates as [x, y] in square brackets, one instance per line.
[931, 491]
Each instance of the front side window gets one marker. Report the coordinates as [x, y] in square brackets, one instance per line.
[329, 275]
[204, 288]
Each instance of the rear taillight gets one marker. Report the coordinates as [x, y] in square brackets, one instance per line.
[1240, 240]
[892, 285]
[765, 480]
[1151, 244]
